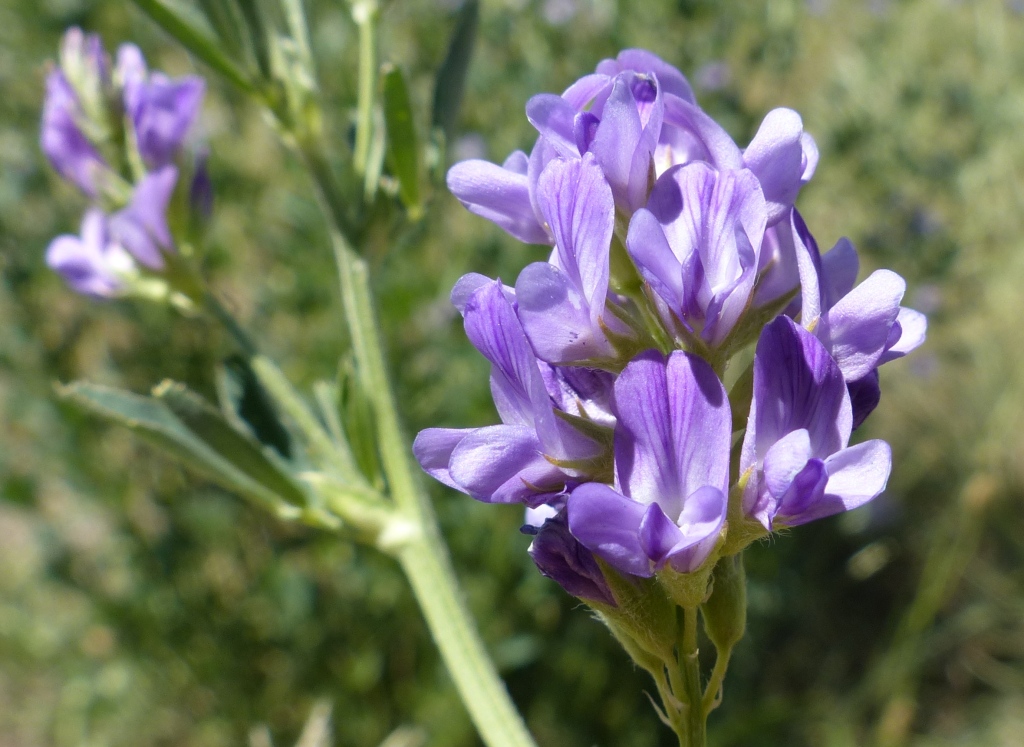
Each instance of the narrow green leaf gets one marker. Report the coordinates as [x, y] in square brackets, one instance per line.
[356, 410]
[403, 146]
[154, 420]
[196, 40]
[242, 395]
[253, 15]
[226, 20]
[206, 421]
[451, 77]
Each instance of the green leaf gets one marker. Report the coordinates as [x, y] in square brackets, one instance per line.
[196, 40]
[356, 410]
[154, 420]
[242, 394]
[451, 77]
[226, 20]
[248, 455]
[403, 146]
[253, 15]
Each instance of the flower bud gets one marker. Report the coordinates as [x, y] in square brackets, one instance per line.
[725, 611]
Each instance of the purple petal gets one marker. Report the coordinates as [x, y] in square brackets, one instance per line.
[562, 558]
[577, 203]
[674, 429]
[857, 328]
[554, 117]
[839, 268]
[608, 524]
[468, 284]
[581, 93]
[804, 499]
[433, 449]
[865, 394]
[503, 464]
[141, 227]
[63, 142]
[499, 195]
[776, 156]
[796, 385]
[90, 264]
[658, 535]
[557, 319]
[810, 156]
[641, 61]
[785, 459]
[162, 112]
[659, 264]
[707, 140]
[913, 330]
[700, 523]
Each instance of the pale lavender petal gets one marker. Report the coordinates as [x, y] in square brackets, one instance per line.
[711, 143]
[608, 524]
[839, 268]
[90, 264]
[641, 61]
[517, 162]
[468, 284]
[804, 499]
[624, 142]
[913, 330]
[785, 459]
[553, 117]
[163, 114]
[577, 203]
[499, 195]
[810, 156]
[857, 328]
[659, 535]
[504, 464]
[808, 260]
[658, 263]
[581, 93]
[700, 524]
[433, 449]
[776, 156]
[556, 317]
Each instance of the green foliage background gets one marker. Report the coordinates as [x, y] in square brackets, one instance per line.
[140, 606]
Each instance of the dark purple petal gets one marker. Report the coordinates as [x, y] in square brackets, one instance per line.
[608, 524]
[433, 449]
[63, 142]
[554, 118]
[804, 499]
[839, 268]
[674, 429]
[854, 476]
[200, 191]
[855, 331]
[562, 558]
[796, 385]
[504, 464]
[776, 156]
[865, 394]
[499, 195]
[141, 227]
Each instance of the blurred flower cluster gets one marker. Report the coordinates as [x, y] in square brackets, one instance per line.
[674, 250]
[117, 132]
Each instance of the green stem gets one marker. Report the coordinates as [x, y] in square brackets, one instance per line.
[230, 324]
[425, 559]
[365, 15]
[695, 725]
[714, 687]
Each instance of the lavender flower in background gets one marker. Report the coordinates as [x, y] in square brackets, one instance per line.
[92, 264]
[141, 227]
[63, 141]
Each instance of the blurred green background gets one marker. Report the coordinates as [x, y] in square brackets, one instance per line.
[141, 606]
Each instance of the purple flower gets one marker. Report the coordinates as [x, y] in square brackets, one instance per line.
[160, 109]
[539, 448]
[795, 457]
[561, 303]
[92, 264]
[141, 227]
[562, 558]
[672, 469]
[63, 141]
[697, 245]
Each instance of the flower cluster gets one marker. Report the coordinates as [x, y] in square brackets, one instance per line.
[673, 250]
[116, 132]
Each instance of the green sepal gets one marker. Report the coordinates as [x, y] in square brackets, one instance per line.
[743, 531]
[644, 614]
[725, 611]
[403, 150]
[740, 396]
[228, 458]
[689, 590]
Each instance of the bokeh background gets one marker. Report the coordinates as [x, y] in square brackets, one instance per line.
[141, 606]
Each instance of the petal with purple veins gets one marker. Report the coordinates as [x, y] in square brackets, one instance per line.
[499, 195]
[608, 524]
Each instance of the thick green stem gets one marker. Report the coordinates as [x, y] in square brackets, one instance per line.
[695, 725]
[424, 559]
